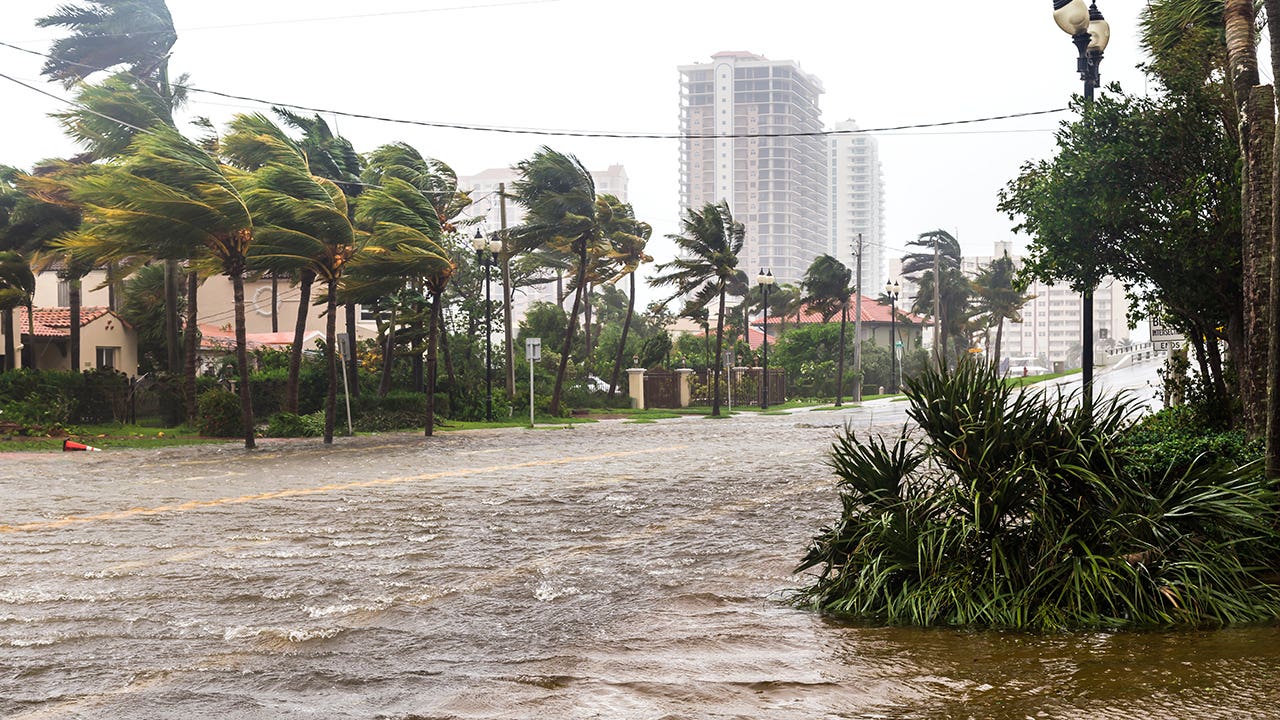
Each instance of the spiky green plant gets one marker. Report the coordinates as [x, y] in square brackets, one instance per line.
[1018, 510]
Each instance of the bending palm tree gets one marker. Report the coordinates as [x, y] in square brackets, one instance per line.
[300, 220]
[170, 199]
[706, 269]
[828, 285]
[404, 245]
[564, 214]
[998, 298]
[627, 237]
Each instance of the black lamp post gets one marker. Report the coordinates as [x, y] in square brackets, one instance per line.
[1090, 33]
[765, 278]
[892, 289]
[494, 246]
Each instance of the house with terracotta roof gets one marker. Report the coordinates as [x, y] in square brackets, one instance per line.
[106, 340]
[875, 324]
[217, 341]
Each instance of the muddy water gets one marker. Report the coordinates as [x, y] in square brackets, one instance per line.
[609, 571]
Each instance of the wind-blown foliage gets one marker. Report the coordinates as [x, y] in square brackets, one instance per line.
[706, 269]
[1015, 510]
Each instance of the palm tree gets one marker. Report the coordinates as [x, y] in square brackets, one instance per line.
[405, 245]
[828, 285]
[29, 223]
[562, 213]
[17, 285]
[998, 297]
[300, 221]
[437, 183]
[169, 198]
[138, 37]
[627, 238]
[332, 157]
[705, 269]
[943, 251]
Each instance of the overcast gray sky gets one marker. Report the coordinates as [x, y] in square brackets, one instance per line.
[587, 65]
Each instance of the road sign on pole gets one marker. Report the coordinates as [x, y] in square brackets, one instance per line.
[533, 353]
[1165, 337]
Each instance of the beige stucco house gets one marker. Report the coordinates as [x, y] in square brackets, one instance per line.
[106, 340]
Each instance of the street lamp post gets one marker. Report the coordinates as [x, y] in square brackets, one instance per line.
[494, 246]
[765, 278]
[892, 289]
[1090, 33]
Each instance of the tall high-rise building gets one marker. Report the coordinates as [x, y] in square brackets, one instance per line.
[857, 203]
[751, 132]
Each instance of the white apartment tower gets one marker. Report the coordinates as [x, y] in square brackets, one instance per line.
[857, 203]
[752, 135]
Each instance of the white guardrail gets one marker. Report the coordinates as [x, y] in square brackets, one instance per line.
[1137, 351]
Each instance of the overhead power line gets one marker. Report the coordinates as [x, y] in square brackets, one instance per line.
[470, 127]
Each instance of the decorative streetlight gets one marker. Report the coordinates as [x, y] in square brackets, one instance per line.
[1090, 33]
[765, 278]
[494, 246]
[892, 289]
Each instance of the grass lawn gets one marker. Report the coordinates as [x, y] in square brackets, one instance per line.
[109, 436]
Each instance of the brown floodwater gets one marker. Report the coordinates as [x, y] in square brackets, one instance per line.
[607, 571]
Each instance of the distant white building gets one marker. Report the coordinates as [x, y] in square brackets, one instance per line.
[1050, 330]
[857, 204]
[751, 132]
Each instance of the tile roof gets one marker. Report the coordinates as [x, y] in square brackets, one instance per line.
[56, 322]
[872, 311]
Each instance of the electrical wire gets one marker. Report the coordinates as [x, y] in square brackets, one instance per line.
[545, 132]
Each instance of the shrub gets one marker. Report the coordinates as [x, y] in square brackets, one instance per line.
[218, 414]
[1015, 510]
[285, 424]
[398, 410]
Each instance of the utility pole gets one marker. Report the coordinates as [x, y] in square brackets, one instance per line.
[937, 304]
[506, 292]
[857, 324]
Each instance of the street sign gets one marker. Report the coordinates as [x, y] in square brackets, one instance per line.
[533, 349]
[343, 345]
[1165, 337]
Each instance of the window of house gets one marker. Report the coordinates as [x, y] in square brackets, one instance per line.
[64, 293]
[107, 357]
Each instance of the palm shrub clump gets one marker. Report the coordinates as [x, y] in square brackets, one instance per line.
[1016, 510]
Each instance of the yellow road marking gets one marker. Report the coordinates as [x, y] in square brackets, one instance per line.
[317, 490]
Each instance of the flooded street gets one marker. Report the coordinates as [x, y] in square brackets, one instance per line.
[611, 570]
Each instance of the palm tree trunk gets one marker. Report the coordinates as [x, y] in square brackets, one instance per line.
[6, 327]
[331, 361]
[1256, 108]
[353, 362]
[171, 315]
[295, 350]
[573, 322]
[73, 344]
[999, 336]
[191, 345]
[1273, 344]
[417, 327]
[844, 320]
[431, 364]
[622, 342]
[586, 325]
[10, 346]
[715, 363]
[242, 353]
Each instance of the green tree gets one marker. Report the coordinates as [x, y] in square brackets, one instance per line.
[942, 251]
[136, 36]
[998, 297]
[17, 285]
[1152, 182]
[626, 237]
[706, 269]
[170, 198]
[300, 221]
[828, 285]
[562, 213]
